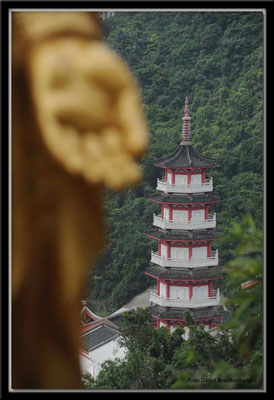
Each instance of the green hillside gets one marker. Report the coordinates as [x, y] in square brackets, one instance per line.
[216, 59]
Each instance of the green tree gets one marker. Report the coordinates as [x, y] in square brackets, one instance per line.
[237, 361]
[147, 364]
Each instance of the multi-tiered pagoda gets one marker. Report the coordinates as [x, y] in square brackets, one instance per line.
[185, 267]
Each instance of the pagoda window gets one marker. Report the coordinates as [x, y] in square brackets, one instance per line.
[200, 292]
[180, 253]
[199, 253]
[198, 215]
[181, 179]
[180, 215]
[196, 179]
[179, 292]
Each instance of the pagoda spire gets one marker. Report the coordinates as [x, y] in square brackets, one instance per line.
[186, 127]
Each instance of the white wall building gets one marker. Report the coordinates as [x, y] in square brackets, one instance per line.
[99, 342]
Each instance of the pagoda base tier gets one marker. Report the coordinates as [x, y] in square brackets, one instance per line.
[171, 318]
[199, 315]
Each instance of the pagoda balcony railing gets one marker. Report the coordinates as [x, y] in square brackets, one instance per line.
[168, 187]
[160, 222]
[188, 303]
[185, 263]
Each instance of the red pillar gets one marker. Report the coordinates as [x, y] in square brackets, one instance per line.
[167, 290]
[210, 288]
[190, 292]
[159, 248]
[173, 178]
[190, 252]
[170, 213]
[206, 212]
[209, 250]
[188, 178]
[189, 214]
[168, 250]
[162, 211]
[166, 175]
[158, 287]
[203, 176]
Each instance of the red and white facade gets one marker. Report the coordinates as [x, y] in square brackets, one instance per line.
[185, 264]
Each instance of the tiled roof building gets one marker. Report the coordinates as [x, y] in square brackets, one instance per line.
[99, 341]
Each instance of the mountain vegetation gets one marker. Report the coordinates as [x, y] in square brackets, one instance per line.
[217, 60]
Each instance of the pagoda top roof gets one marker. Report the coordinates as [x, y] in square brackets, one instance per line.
[185, 236]
[196, 313]
[185, 274]
[185, 156]
[185, 198]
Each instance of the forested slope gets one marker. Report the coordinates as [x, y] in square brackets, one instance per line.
[216, 59]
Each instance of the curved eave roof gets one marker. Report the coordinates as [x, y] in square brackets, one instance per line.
[184, 236]
[185, 198]
[185, 156]
[185, 274]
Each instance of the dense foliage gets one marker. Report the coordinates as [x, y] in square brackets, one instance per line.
[149, 354]
[157, 359]
[216, 59]
[240, 361]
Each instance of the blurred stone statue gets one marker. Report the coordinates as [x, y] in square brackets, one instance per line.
[77, 126]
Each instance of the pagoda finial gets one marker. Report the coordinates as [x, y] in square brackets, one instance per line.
[186, 106]
[186, 119]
